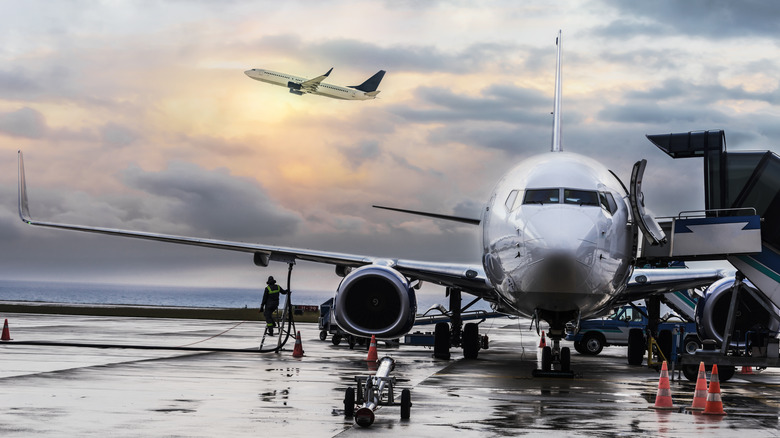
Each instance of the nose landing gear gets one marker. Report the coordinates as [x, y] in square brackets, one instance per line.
[556, 361]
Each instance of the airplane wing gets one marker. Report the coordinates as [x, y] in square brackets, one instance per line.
[311, 85]
[469, 278]
[645, 282]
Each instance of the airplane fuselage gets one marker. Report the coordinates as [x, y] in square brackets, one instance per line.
[557, 241]
[323, 89]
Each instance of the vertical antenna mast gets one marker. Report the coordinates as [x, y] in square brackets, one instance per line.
[556, 138]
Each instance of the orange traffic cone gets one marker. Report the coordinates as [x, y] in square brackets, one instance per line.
[663, 398]
[714, 404]
[746, 370]
[298, 350]
[700, 393]
[6, 334]
[372, 357]
[542, 342]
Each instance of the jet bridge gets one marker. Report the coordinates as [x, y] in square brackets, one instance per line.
[741, 220]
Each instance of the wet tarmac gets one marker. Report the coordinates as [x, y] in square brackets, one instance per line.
[54, 390]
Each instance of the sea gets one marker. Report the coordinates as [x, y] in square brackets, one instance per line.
[171, 296]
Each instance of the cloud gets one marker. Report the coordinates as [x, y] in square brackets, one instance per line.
[213, 202]
[115, 135]
[25, 122]
[715, 19]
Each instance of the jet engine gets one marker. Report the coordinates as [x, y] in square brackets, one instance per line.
[375, 300]
[751, 315]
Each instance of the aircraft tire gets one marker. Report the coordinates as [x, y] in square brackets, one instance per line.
[565, 359]
[441, 341]
[349, 402]
[592, 343]
[406, 404]
[470, 341]
[546, 358]
[636, 346]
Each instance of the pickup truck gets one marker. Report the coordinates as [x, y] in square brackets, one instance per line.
[595, 334]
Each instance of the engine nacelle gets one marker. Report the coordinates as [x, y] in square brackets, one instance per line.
[293, 85]
[713, 308]
[375, 300]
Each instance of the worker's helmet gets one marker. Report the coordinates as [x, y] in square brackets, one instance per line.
[270, 280]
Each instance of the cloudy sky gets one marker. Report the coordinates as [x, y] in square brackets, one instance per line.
[138, 115]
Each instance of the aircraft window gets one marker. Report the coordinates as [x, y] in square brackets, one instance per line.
[580, 197]
[510, 200]
[542, 196]
[608, 202]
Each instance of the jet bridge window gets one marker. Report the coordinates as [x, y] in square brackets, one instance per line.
[542, 196]
[580, 197]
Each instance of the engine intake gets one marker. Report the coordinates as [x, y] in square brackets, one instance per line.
[375, 300]
[713, 308]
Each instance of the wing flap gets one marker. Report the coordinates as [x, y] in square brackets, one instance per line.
[311, 85]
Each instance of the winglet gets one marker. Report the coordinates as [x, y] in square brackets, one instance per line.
[326, 74]
[556, 139]
[24, 211]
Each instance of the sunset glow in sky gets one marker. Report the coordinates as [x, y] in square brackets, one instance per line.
[137, 115]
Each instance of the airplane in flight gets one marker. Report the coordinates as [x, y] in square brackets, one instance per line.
[300, 86]
[559, 238]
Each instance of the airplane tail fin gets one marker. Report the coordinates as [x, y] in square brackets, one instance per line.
[371, 84]
[556, 138]
[24, 210]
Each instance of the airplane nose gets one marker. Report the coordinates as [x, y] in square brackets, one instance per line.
[249, 72]
[560, 246]
[560, 232]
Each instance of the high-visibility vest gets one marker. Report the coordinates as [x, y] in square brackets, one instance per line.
[272, 291]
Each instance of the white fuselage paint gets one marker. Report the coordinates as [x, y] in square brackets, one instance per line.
[323, 89]
[557, 257]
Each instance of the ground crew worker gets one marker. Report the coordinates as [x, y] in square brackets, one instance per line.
[271, 303]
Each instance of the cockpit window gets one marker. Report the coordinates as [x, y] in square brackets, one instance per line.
[608, 202]
[510, 200]
[541, 196]
[580, 197]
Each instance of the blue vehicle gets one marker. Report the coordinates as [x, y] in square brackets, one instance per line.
[595, 334]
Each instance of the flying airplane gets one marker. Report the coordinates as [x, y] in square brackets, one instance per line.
[559, 238]
[300, 86]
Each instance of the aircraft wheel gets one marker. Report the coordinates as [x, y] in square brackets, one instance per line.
[565, 359]
[636, 346]
[406, 404]
[578, 346]
[593, 343]
[349, 402]
[470, 341]
[323, 335]
[441, 341]
[546, 358]
[336, 339]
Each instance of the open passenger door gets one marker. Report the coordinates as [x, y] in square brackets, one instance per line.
[650, 228]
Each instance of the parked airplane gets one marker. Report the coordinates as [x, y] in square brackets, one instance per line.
[300, 86]
[559, 235]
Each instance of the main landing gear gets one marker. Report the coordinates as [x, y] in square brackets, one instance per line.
[458, 335]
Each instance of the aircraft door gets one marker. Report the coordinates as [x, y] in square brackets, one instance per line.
[645, 221]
